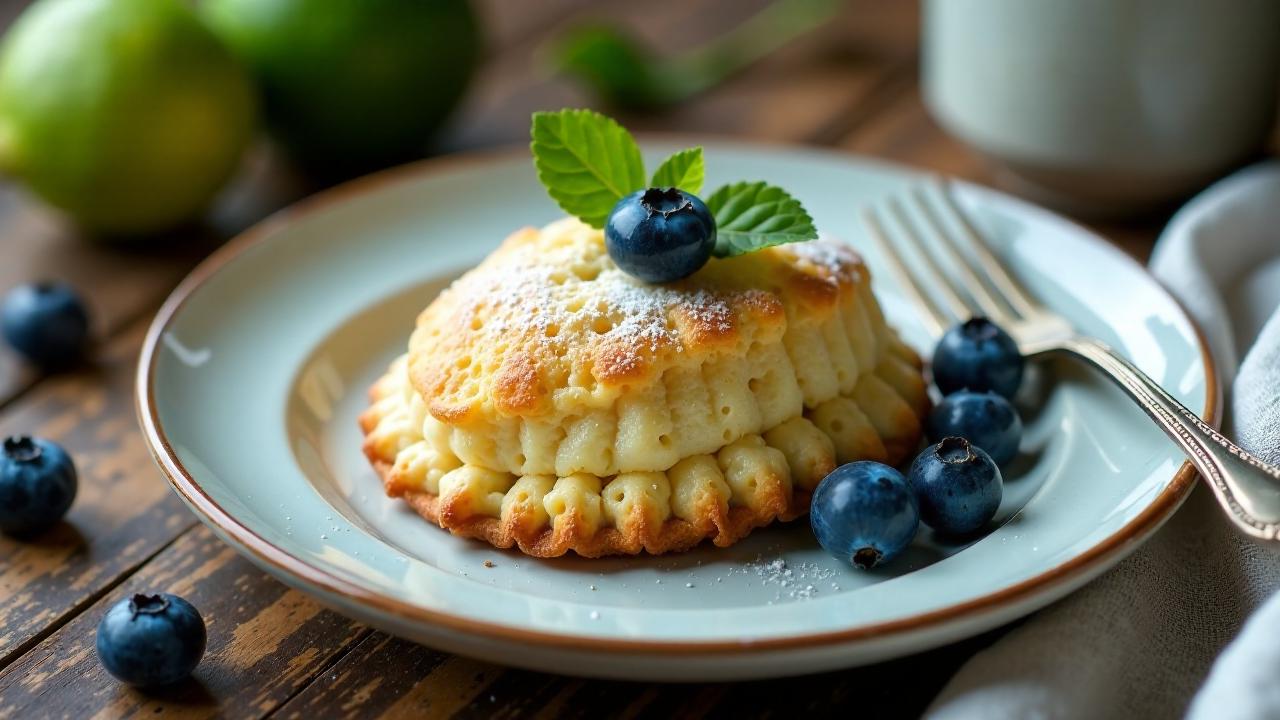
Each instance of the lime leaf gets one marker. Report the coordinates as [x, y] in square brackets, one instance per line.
[587, 162]
[684, 170]
[752, 216]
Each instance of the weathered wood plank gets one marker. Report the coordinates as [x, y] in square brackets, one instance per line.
[124, 511]
[361, 694]
[420, 682]
[424, 683]
[265, 641]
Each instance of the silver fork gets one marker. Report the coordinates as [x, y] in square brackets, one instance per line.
[1247, 488]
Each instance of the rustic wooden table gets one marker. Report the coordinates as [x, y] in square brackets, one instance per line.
[851, 87]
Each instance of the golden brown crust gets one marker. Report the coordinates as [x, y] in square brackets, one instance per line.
[518, 389]
[723, 526]
[778, 499]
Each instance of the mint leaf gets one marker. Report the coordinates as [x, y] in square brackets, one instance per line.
[684, 170]
[752, 216]
[586, 161]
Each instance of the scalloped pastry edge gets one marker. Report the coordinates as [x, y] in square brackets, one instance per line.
[775, 498]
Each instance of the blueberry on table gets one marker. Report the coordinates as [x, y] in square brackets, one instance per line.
[957, 486]
[46, 322]
[37, 484]
[660, 235]
[985, 419]
[151, 640]
[864, 513]
[977, 355]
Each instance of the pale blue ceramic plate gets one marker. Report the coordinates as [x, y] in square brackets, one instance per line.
[256, 368]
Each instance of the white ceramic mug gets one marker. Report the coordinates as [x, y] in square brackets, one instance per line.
[1106, 105]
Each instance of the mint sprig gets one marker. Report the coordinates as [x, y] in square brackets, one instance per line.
[588, 162]
[752, 216]
[684, 170]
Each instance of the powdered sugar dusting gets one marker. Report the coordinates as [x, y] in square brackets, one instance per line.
[533, 295]
[550, 315]
[834, 256]
[793, 581]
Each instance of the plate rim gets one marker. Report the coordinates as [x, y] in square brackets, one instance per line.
[316, 579]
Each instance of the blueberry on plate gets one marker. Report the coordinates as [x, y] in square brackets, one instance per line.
[985, 419]
[864, 513]
[46, 322]
[37, 484]
[957, 485]
[977, 355]
[151, 640]
[660, 235]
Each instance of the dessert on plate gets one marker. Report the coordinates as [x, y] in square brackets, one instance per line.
[552, 401]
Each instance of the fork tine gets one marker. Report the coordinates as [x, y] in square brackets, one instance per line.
[933, 315]
[1013, 293]
[933, 275]
[973, 284]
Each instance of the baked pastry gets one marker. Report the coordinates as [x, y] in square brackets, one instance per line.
[552, 402]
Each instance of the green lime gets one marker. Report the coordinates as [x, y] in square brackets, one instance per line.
[350, 85]
[127, 114]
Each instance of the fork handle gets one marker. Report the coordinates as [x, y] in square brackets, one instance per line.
[1246, 487]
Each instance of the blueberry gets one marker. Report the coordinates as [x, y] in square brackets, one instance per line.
[46, 322]
[864, 513]
[150, 640]
[957, 486]
[985, 419]
[660, 235]
[37, 485]
[977, 355]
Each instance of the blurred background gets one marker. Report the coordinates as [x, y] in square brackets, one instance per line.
[138, 135]
[143, 126]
